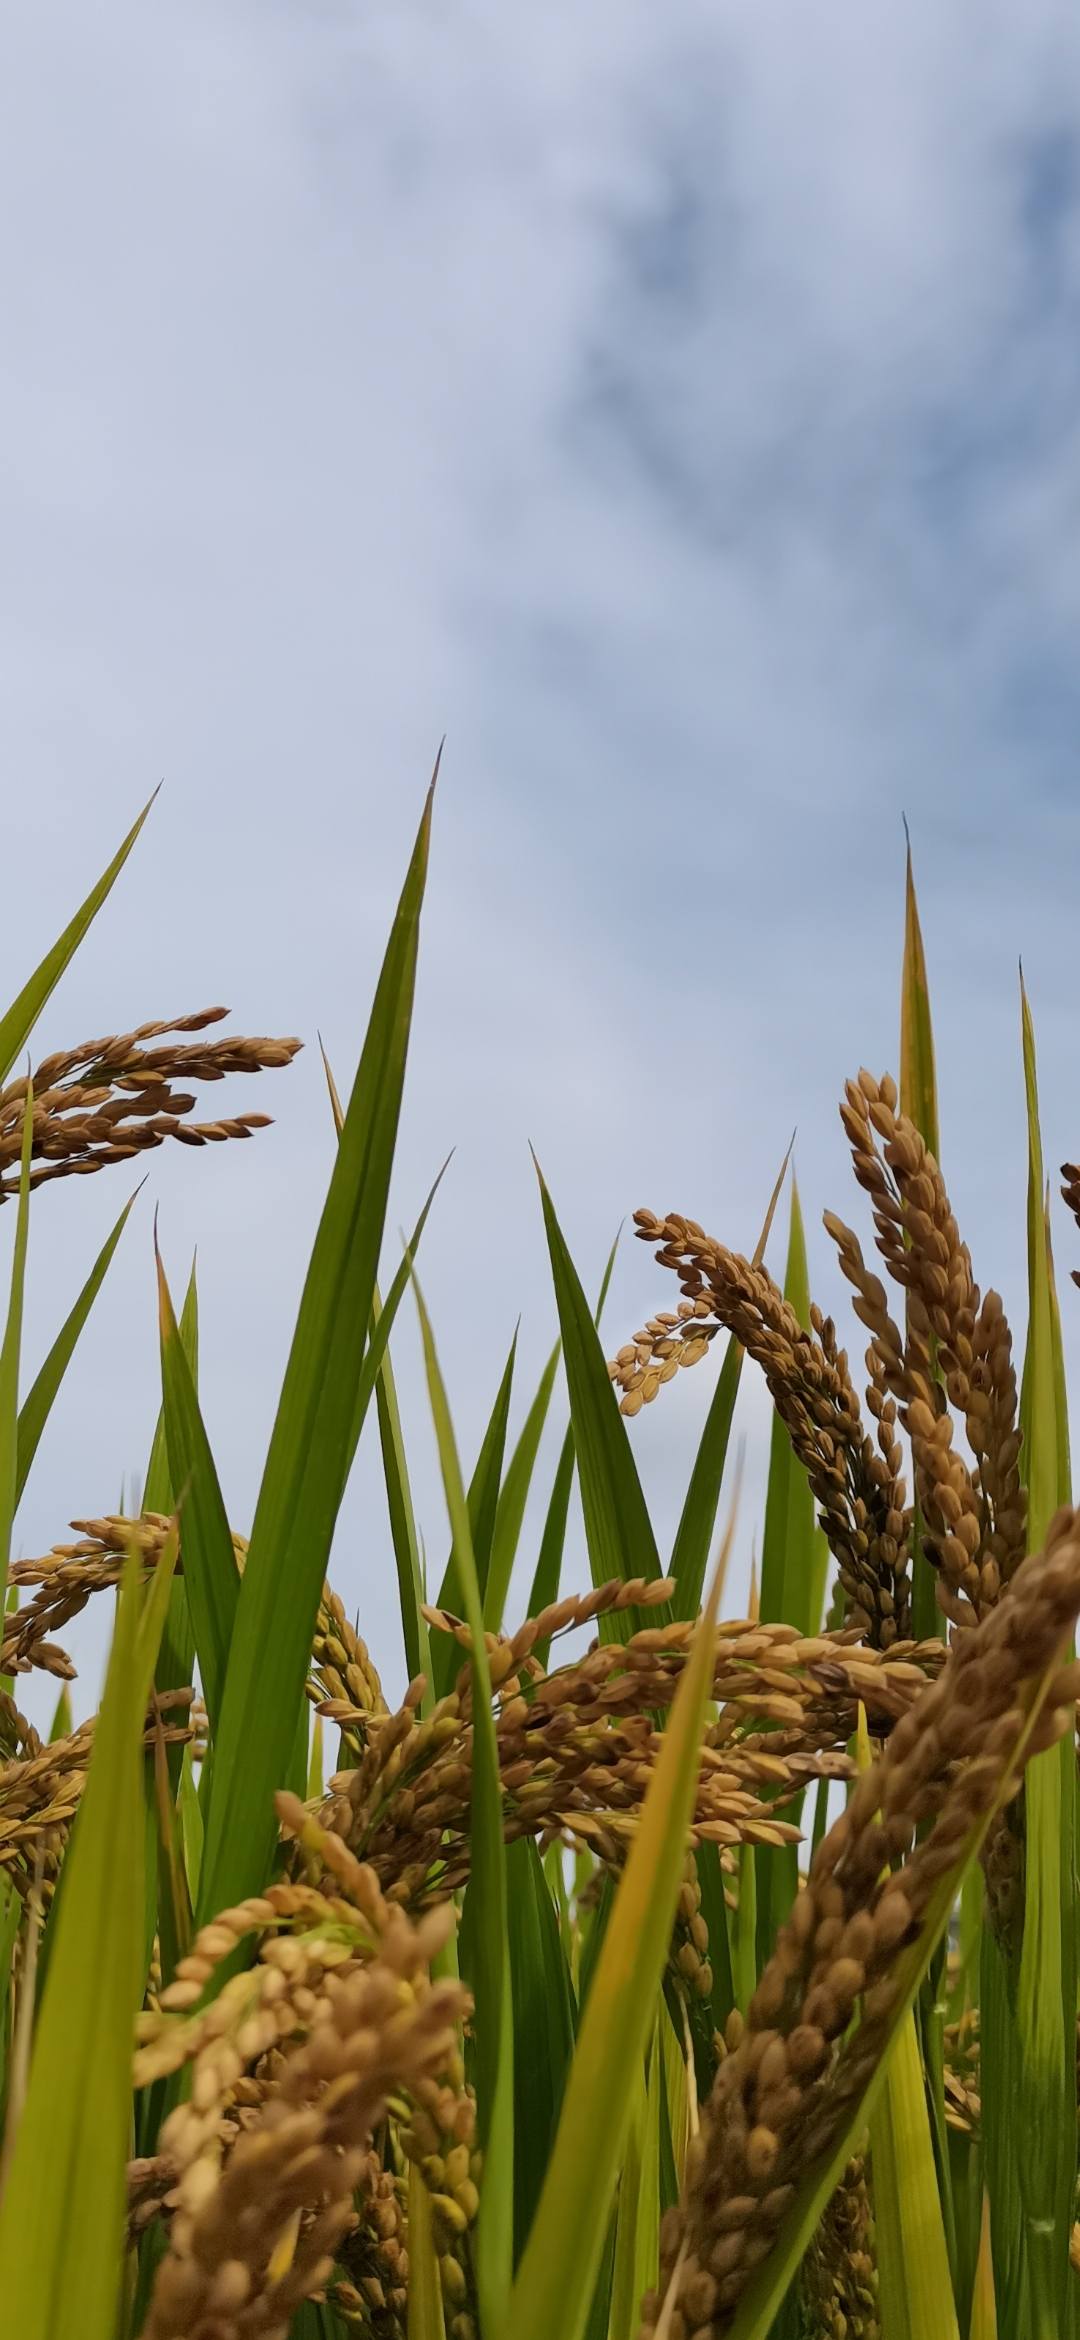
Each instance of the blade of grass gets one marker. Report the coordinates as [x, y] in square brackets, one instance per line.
[17, 1025]
[514, 1495]
[11, 1346]
[61, 2243]
[543, 2025]
[637, 2225]
[61, 1725]
[918, 1072]
[984, 2323]
[791, 1584]
[395, 1468]
[915, 2284]
[176, 1657]
[403, 1529]
[11, 1606]
[690, 1551]
[310, 1448]
[211, 1576]
[189, 1812]
[915, 2295]
[1047, 1981]
[482, 1501]
[918, 1099]
[548, 1576]
[555, 2281]
[425, 2309]
[491, 1979]
[38, 1403]
[618, 1530]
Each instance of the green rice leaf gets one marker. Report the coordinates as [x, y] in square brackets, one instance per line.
[402, 1525]
[690, 1551]
[1047, 1981]
[11, 1607]
[745, 1948]
[792, 1585]
[491, 1976]
[788, 1573]
[17, 1025]
[483, 1499]
[514, 1495]
[11, 1346]
[190, 1815]
[10, 1919]
[618, 1530]
[548, 1576]
[395, 1468]
[383, 1312]
[61, 2242]
[61, 1725]
[311, 1446]
[555, 2281]
[918, 1073]
[157, 1494]
[915, 2294]
[425, 2311]
[984, 2322]
[915, 2285]
[211, 1577]
[546, 1581]
[918, 1099]
[176, 1657]
[637, 2226]
[543, 2025]
[38, 1403]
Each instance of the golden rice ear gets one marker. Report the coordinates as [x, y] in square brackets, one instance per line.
[860, 1492]
[956, 1353]
[1070, 1174]
[112, 1099]
[838, 2282]
[821, 2019]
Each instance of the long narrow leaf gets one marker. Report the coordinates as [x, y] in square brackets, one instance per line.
[792, 1583]
[61, 2242]
[395, 1468]
[543, 2026]
[493, 2018]
[211, 1578]
[11, 1346]
[514, 1495]
[555, 2280]
[482, 1500]
[38, 1403]
[618, 1530]
[690, 1551]
[425, 2312]
[17, 1025]
[1047, 1982]
[310, 1449]
[915, 2297]
[548, 1575]
[918, 1099]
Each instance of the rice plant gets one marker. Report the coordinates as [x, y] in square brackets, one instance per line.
[716, 1978]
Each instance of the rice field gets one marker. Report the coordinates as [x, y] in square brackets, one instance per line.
[651, 1972]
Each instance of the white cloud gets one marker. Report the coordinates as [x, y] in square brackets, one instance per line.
[680, 408]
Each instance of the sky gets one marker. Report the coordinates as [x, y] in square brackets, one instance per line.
[678, 409]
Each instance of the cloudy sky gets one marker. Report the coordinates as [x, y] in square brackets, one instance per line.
[677, 407]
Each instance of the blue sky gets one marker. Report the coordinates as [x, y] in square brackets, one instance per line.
[679, 409]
